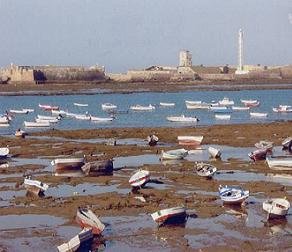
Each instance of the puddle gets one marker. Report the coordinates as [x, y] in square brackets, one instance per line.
[136, 161]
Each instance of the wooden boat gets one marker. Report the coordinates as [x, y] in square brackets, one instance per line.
[68, 164]
[98, 168]
[259, 154]
[232, 194]
[283, 109]
[182, 119]
[190, 140]
[35, 187]
[264, 145]
[83, 239]
[108, 106]
[174, 215]
[139, 178]
[142, 108]
[20, 133]
[218, 109]
[80, 104]
[222, 117]
[257, 114]
[276, 208]
[287, 143]
[48, 107]
[87, 219]
[36, 124]
[214, 153]
[18, 111]
[226, 102]
[205, 170]
[152, 140]
[4, 151]
[101, 119]
[174, 154]
[238, 108]
[280, 163]
[167, 104]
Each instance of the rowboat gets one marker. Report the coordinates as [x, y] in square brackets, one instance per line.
[108, 106]
[36, 124]
[283, 108]
[4, 119]
[82, 117]
[232, 194]
[174, 215]
[190, 140]
[222, 117]
[87, 219]
[4, 151]
[250, 103]
[38, 120]
[214, 153]
[43, 117]
[264, 145]
[280, 163]
[257, 114]
[287, 143]
[188, 102]
[142, 108]
[226, 102]
[101, 119]
[59, 112]
[139, 178]
[48, 107]
[205, 170]
[18, 111]
[218, 109]
[29, 110]
[238, 108]
[152, 140]
[276, 208]
[174, 154]
[98, 168]
[20, 133]
[80, 104]
[259, 154]
[182, 119]
[68, 164]
[167, 104]
[35, 187]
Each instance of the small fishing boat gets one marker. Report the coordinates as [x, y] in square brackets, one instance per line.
[202, 105]
[80, 104]
[174, 154]
[87, 219]
[190, 140]
[35, 187]
[167, 104]
[108, 106]
[101, 119]
[48, 107]
[98, 168]
[218, 109]
[4, 151]
[188, 102]
[82, 240]
[226, 102]
[82, 117]
[264, 145]
[182, 119]
[250, 103]
[259, 154]
[238, 108]
[152, 140]
[4, 120]
[142, 108]
[259, 115]
[287, 143]
[222, 117]
[68, 164]
[59, 112]
[18, 111]
[232, 194]
[139, 178]
[280, 163]
[43, 117]
[283, 109]
[174, 215]
[38, 120]
[276, 208]
[20, 133]
[29, 110]
[36, 124]
[214, 153]
[205, 170]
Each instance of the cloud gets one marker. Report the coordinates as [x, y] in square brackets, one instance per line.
[290, 18]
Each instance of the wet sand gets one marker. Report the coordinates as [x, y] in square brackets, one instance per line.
[215, 227]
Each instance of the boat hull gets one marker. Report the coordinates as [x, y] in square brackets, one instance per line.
[67, 165]
[170, 216]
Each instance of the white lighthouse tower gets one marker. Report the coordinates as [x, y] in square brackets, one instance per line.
[240, 69]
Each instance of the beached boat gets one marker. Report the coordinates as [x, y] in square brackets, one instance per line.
[98, 168]
[87, 219]
[108, 106]
[205, 170]
[4, 151]
[35, 187]
[167, 104]
[258, 114]
[80, 104]
[232, 194]
[68, 164]
[36, 124]
[214, 153]
[218, 109]
[264, 145]
[259, 154]
[20, 133]
[152, 140]
[226, 102]
[18, 111]
[182, 119]
[174, 154]
[142, 108]
[139, 178]
[101, 119]
[82, 240]
[283, 109]
[287, 143]
[276, 208]
[48, 107]
[190, 140]
[238, 108]
[174, 215]
[280, 163]
[222, 117]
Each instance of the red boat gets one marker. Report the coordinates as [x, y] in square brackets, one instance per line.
[259, 154]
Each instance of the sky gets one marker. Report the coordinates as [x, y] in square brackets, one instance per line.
[135, 34]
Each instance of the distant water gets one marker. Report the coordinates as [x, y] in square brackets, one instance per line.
[157, 118]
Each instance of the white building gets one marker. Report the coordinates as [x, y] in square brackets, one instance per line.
[185, 58]
[240, 67]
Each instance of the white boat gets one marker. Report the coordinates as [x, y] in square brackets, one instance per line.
[152, 139]
[174, 215]
[36, 124]
[43, 117]
[214, 153]
[202, 105]
[108, 106]
[190, 140]
[226, 102]
[4, 119]
[85, 236]
[283, 108]
[82, 117]
[188, 102]
[142, 108]
[38, 120]
[238, 108]
[280, 163]
[59, 112]
[276, 208]
[205, 170]
[80, 104]
[48, 107]
[287, 143]
[18, 111]
[101, 119]
[139, 178]
[264, 145]
[222, 117]
[218, 109]
[167, 104]
[4, 151]
[182, 119]
[232, 194]
[20, 133]
[250, 103]
[257, 114]
[87, 219]
[35, 186]
[174, 154]
[29, 110]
